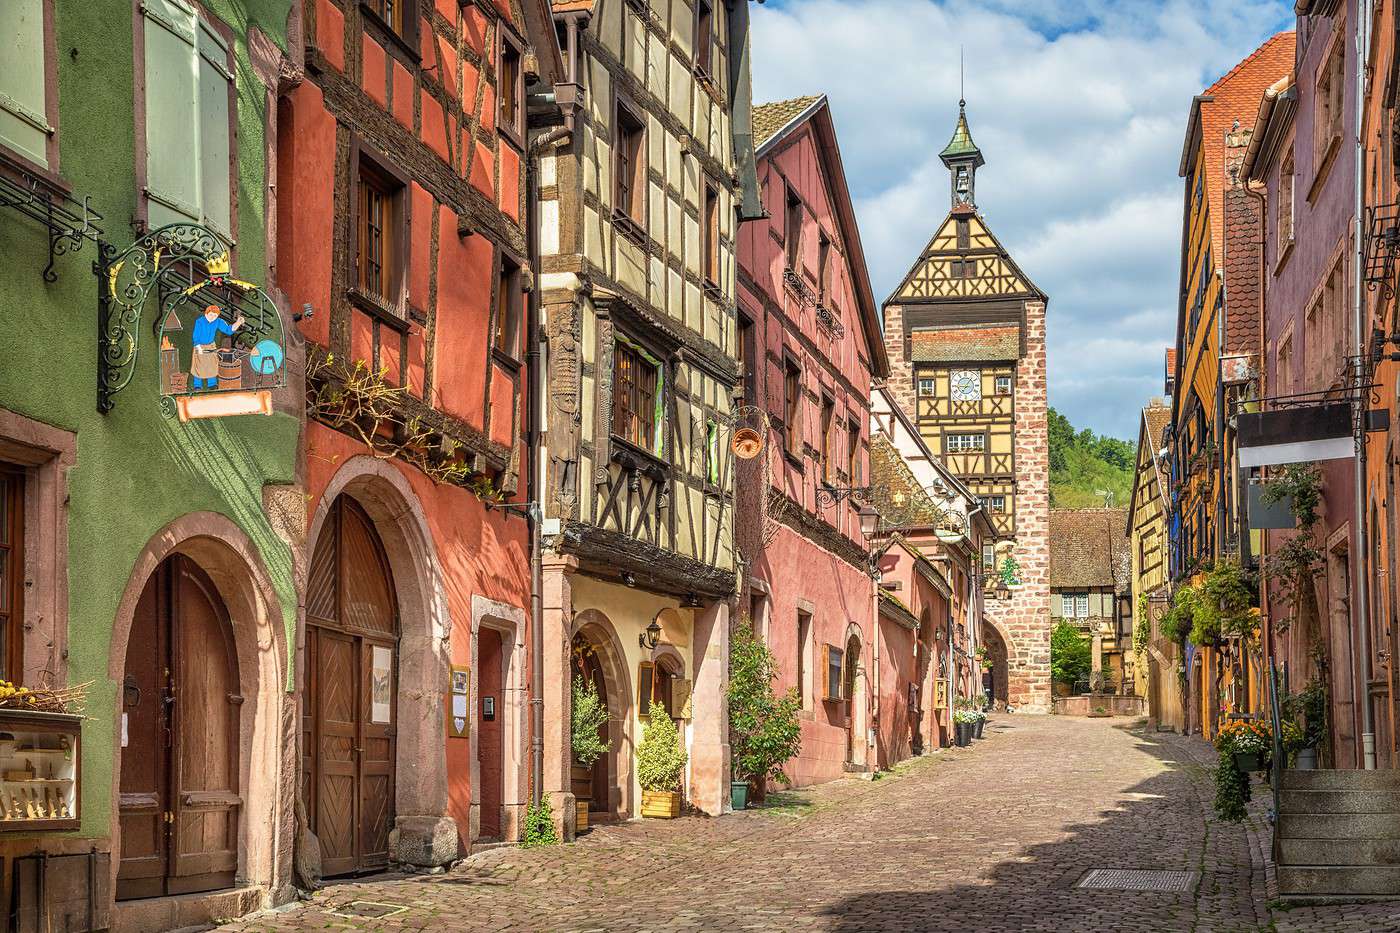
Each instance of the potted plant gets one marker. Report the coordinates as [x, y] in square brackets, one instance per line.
[964, 723]
[1306, 710]
[979, 723]
[589, 716]
[660, 763]
[764, 730]
[1248, 742]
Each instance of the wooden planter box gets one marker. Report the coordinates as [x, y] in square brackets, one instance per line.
[580, 814]
[39, 771]
[661, 804]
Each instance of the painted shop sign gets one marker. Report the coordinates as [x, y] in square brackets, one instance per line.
[221, 345]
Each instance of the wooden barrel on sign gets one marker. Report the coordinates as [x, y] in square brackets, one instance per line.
[230, 370]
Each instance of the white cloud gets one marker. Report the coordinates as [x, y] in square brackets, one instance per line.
[1079, 106]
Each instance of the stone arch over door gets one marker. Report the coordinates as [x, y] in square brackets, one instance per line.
[998, 645]
[856, 684]
[267, 739]
[599, 631]
[424, 833]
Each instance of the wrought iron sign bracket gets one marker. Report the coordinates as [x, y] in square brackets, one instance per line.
[1381, 246]
[830, 495]
[67, 221]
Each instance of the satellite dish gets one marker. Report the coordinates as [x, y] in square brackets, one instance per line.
[746, 444]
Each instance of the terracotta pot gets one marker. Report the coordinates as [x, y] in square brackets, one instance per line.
[661, 804]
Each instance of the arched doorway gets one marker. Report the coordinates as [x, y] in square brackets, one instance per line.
[994, 679]
[593, 783]
[850, 664]
[180, 700]
[599, 656]
[350, 712]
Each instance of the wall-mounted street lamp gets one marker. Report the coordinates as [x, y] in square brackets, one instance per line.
[651, 637]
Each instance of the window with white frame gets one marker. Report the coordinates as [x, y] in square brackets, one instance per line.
[1074, 605]
[188, 85]
[925, 386]
[961, 443]
[1003, 385]
[24, 110]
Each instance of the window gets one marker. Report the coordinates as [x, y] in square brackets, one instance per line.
[711, 452]
[966, 385]
[964, 268]
[704, 37]
[823, 268]
[188, 84]
[853, 452]
[24, 107]
[510, 88]
[792, 237]
[792, 407]
[635, 397]
[828, 440]
[11, 572]
[994, 504]
[1285, 201]
[390, 13]
[508, 301]
[1081, 605]
[377, 230]
[834, 668]
[964, 233]
[989, 556]
[1003, 385]
[747, 353]
[1328, 108]
[629, 169]
[961, 443]
[804, 637]
[711, 234]
[1284, 366]
[926, 386]
[1074, 605]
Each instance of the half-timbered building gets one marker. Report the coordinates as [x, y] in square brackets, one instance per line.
[638, 217]
[1156, 657]
[965, 332]
[400, 209]
[809, 336]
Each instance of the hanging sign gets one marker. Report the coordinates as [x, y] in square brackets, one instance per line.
[1296, 435]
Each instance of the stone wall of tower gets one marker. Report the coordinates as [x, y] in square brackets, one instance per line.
[1024, 618]
[901, 379]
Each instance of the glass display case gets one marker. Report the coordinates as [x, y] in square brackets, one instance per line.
[39, 773]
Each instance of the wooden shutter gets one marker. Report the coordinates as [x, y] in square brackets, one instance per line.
[215, 84]
[680, 699]
[24, 124]
[645, 670]
[172, 91]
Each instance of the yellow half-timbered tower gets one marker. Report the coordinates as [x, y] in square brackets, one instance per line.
[965, 331]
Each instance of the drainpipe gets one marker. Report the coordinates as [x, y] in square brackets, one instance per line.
[1361, 625]
[872, 726]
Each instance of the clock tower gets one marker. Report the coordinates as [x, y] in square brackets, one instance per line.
[965, 332]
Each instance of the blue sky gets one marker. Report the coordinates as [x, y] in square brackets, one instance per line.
[1079, 107]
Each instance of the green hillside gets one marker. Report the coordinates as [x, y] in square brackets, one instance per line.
[1085, 465]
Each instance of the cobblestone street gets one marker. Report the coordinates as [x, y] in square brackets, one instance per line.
[994, 837]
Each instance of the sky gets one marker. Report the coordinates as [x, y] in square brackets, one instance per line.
[1079, 107]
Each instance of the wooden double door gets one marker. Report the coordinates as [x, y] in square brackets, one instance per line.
[180, 703]
[350, 713]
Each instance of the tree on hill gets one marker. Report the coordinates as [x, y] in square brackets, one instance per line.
[1084, 466]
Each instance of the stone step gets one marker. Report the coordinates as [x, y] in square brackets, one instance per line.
[1312, 880]
[1340, 801]
[1382, 780]
[1338, 851]
[1338, 826]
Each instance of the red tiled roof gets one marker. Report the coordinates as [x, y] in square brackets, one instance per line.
[971, 344]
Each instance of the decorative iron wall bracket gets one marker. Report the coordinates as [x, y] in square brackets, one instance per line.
[67, 221]
[1381, 246]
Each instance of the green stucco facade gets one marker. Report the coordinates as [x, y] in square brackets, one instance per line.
[136, 469]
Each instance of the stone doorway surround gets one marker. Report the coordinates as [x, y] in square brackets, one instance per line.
[269, 764]
[509, 622]
[424, 833]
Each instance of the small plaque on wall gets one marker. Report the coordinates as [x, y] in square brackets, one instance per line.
[459, 723]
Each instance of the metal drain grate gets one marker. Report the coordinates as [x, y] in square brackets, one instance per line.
[371, 910]
[1131, 879]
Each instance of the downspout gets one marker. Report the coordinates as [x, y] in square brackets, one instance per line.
[1361, 627]
[973, 576]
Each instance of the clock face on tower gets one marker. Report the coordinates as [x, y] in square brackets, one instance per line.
[966, 385]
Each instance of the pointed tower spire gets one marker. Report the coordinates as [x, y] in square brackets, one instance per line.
[963, 159]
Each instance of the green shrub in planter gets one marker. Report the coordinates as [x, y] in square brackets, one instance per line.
[590, 714]
[764, 731]
[660, 757]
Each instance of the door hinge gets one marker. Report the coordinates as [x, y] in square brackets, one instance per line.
[169, 817]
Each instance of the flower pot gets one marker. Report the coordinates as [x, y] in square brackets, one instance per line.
[581, 814]
[1307, 759]
[962, 734]
[1246, 762]
[739, 794]
[661, 804]
[977, 728]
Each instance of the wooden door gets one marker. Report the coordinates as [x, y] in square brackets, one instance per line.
[180, 804]
[351, 707]
[488, 742]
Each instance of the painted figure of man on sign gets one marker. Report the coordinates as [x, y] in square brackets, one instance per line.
[204, 366]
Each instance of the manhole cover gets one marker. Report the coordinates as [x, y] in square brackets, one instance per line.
[1129, 879]
[369, 909]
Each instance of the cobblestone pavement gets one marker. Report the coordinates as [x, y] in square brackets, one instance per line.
[993, 837]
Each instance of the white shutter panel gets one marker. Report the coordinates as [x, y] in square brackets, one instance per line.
[172, 143]
[215, 82]
[24, 125]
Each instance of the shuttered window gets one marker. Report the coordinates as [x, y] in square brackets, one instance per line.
[11, 572]
[188, 147]
[24, 125]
